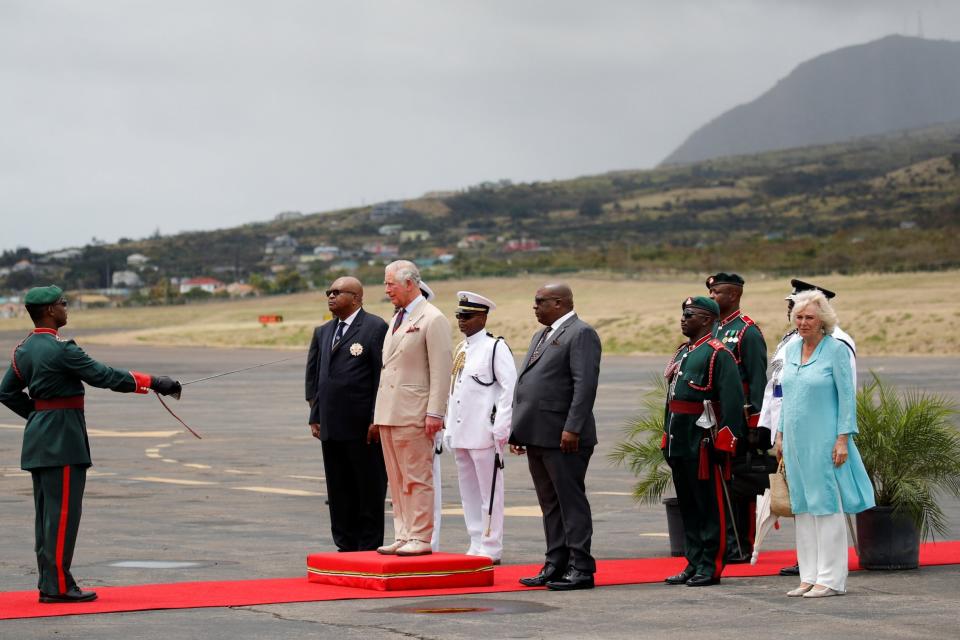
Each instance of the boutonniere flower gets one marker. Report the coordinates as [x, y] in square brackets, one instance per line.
[413, 329]
[556, 343]
[356, 349]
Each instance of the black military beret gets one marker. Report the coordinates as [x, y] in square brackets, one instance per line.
[724, 278]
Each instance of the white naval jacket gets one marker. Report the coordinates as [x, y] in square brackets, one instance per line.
[772, 400]
[467, 422]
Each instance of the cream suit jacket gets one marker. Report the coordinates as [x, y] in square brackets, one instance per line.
[417, 361]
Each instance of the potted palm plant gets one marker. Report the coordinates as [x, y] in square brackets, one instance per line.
[640, 452]
[911, 451]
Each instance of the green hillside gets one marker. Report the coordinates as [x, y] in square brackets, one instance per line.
[887, 203]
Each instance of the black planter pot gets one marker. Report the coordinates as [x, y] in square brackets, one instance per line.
[675, 526]
[887, 541]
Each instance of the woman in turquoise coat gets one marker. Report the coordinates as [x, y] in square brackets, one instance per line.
[825, 473]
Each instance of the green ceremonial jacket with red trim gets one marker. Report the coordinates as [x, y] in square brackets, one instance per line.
[705, 370]
[740, 334]
[54, 370]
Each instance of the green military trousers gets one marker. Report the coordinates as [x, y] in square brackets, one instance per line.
[704, 519]
[57, 496]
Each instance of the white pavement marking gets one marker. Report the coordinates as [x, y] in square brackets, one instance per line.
[194, 465]
[172, 480]
[154, 455]
[320, 478]
[518, 512]
[12, 426]
[18, 474]
[283, 492]
[170, 460]
[655, 535]
[104, 433]
[243, 473]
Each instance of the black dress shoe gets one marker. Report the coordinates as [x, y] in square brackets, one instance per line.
[791, 571]
[701, 580]
[73, 595]
[547, 573]
[572, 580]
[682, 577]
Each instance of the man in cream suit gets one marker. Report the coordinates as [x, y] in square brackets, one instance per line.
[411, 403]
[478, 422]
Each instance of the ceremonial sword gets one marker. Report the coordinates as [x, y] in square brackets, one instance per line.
[216, 375]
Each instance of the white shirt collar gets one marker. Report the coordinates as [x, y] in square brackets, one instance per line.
[477, 337]
[413, 304]
[559, 321]
[350, 319]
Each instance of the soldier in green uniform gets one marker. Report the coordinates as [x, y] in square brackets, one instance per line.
[56, 451]
[703, 419]
[738, 333]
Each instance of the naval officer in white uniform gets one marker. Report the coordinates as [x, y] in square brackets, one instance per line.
[477, 423]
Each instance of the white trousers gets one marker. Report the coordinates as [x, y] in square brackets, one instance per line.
[437, 504]
[822, 550]
[475, 471]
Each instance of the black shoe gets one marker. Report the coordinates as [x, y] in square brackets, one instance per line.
[701, 580]
[682, 577]
[573, 579]
[791, 571]
[547, 573]
[736, 558]
[73, 595]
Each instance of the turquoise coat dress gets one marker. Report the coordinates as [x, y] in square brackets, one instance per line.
[819, 403]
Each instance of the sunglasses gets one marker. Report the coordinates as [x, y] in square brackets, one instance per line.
[336, 292]
[689, 314]
[463, 315]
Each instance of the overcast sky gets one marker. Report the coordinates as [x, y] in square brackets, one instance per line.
[123, 116]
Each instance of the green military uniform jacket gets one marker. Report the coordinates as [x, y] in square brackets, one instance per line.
[738, 333]
[705, 370]
[54, 370]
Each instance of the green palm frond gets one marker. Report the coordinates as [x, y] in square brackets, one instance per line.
[911, 450]
[640, 450]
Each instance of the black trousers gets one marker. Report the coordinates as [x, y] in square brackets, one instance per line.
[704, 520]
[567, 524]
[356, 489]
[57, 499]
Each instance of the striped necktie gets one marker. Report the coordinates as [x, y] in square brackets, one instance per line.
[398, 321]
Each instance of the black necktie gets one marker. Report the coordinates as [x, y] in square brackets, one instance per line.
[540, 343]
[398, 321]
[339, 333]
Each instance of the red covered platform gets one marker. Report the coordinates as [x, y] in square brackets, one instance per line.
[371, 570]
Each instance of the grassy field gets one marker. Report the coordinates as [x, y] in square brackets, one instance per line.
[887, 314]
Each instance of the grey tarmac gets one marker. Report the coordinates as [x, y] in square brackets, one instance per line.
[246, 502]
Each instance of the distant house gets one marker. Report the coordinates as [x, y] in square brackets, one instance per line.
[128, 279]
[345, 265]
[384, 210]
[471, 241]
[523, 244]
[390, 229]
[445, 258]
[137, 260]
[240, 290]
[282, 245]
[381, 249]
[66, 254]
[210, 285]
[414, 235]
[22, 265]
[326, 252]
[287, 215]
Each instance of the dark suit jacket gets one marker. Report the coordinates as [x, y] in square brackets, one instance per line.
[555, 393]
[342, 385]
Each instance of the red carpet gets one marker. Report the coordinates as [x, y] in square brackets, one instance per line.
[187, 595]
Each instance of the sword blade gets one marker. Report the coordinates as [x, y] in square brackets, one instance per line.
[228, 373]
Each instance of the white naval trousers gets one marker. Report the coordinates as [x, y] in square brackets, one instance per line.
[437, 504]
[475, 471]
[822, 549]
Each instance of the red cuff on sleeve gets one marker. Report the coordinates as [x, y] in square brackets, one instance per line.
[142, 380]
[753, 421]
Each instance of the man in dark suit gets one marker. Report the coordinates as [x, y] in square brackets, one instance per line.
[553, 425]
[343, 372]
